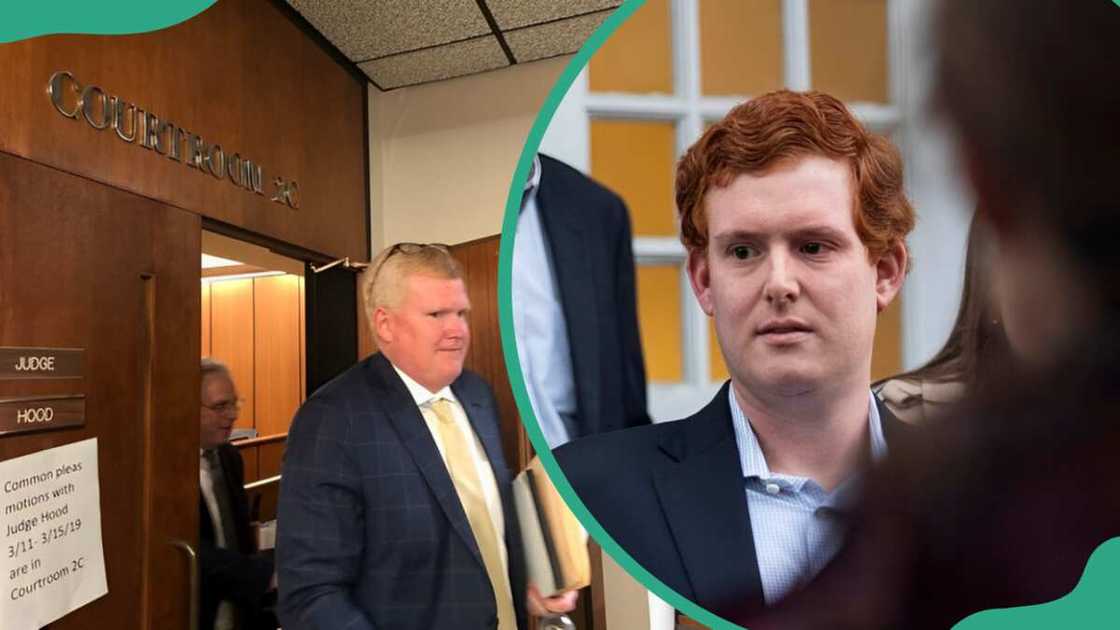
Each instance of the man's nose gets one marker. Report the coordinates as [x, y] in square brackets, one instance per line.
[456, 327]
[781, 281]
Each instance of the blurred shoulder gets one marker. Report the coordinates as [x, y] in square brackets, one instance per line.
[916, 401]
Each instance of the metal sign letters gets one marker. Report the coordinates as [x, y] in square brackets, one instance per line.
[102, 111]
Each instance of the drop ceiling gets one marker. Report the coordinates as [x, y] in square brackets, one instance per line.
[398, 43]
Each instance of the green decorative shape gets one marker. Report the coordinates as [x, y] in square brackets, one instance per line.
[509, 342]
[1091, 605]
[22, 20]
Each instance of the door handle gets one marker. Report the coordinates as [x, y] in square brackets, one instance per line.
[192, 557]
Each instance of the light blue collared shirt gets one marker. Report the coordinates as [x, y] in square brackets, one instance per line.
[798, 527]
[538, 320]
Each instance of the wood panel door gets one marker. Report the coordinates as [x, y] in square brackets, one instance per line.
[84, 265]
[480, 268]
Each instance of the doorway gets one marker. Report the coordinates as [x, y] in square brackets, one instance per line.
[253, 320]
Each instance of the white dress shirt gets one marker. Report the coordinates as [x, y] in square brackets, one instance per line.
[543, 347]
[797, 525]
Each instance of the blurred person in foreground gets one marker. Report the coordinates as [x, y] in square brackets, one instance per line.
[395, 507]
[795, 221]
[1002, 504]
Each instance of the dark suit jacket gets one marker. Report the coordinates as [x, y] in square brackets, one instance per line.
[587, 229]
[371, 532]
[671, 495]
[237, 573]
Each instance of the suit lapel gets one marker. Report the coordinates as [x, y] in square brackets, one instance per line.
[409, 424]
[702, 496]
[575, 280]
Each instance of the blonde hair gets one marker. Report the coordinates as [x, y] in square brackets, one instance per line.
[383, 281]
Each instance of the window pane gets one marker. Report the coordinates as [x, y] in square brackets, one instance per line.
[637, 56]
[886, 359]
[717, 369]
[740, 46]
[848, 48]
[635, 159]
[659, 315]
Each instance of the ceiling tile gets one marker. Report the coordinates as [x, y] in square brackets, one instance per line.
[433, 64]
[517, 13]
[363, 29]
[552, 39]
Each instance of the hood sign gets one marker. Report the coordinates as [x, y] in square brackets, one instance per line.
[134, 125]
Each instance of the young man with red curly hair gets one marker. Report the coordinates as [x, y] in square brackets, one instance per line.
[795, 221]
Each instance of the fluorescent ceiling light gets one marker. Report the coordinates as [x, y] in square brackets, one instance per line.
[209, 262]
[240, 276]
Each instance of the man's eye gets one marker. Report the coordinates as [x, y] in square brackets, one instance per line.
[742, 252]
[812, 248]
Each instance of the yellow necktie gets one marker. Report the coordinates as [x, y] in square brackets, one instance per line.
[464, 474]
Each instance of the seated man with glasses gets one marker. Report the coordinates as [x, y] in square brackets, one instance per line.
[235, 581]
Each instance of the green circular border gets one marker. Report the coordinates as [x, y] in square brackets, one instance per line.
[80, 17]
[509, 342]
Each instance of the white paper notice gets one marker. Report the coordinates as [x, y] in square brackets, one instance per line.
[50, 515]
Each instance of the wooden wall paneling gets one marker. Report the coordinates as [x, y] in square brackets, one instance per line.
[302, 342]
[250, 457]
[271, 460]
[172, 414]
[231, 333]
[205, 319]
[480, 264]
[276, 352]
[367, 345]
[271, 457]
[256, 84]
[269, 494]
[87, 266]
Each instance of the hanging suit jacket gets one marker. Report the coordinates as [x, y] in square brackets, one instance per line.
[587, 229]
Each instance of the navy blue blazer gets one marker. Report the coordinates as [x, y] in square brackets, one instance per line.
[671, 495]
[371, 533]
[587, 229]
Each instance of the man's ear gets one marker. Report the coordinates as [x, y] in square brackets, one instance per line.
[382, 326]
[700, 277]
[890, 271]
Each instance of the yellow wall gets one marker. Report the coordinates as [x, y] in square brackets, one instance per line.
[442, 154]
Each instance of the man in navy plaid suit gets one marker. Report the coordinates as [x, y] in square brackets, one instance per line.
[395, 505]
